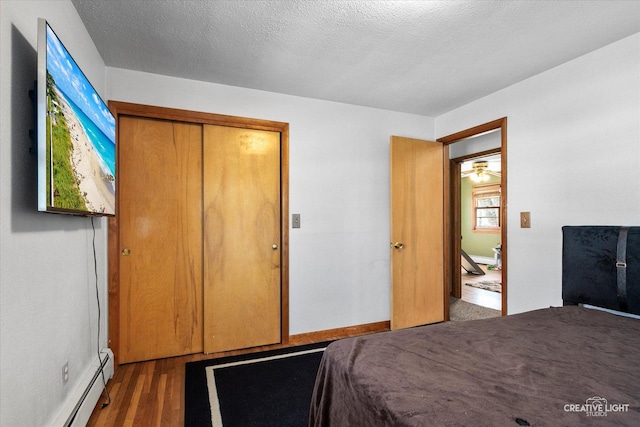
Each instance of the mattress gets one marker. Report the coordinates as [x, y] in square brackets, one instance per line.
[557, 366]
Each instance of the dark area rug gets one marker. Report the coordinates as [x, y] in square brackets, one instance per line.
[262, 389]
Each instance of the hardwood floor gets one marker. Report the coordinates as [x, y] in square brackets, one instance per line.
[150, 393]
[144, 394]
[480, 296]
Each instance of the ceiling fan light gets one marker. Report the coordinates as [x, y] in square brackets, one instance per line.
[479, 174]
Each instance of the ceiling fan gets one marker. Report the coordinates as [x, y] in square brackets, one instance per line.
[480, 171]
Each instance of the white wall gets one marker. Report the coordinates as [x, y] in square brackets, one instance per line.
[339, 184]
[579, 123]
[48, 311]
[476, 144]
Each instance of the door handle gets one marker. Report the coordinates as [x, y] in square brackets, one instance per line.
[126, 251]
[397, 245]
[274, 247]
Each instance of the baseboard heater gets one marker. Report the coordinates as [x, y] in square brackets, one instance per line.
[85, 397]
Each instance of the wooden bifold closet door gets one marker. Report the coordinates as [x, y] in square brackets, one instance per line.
[198, 245]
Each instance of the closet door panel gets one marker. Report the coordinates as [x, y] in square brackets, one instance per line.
[160, 238]
[242, 248]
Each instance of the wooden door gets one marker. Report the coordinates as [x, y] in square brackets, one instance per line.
[242, 247]
[160, 236]
[417, 228]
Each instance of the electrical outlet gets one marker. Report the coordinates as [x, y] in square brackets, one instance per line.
[65, 372]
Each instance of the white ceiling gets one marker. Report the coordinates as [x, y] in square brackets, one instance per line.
[423, 57]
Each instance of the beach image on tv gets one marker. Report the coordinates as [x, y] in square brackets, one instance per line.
[81, 149]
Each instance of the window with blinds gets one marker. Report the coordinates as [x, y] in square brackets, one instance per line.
[486, 208]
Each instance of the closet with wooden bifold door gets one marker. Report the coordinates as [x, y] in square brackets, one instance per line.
[197, 249]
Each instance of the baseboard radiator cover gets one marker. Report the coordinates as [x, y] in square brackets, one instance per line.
[80, 404]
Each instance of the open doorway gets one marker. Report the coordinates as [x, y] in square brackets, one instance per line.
[480, 222]
[477, 213]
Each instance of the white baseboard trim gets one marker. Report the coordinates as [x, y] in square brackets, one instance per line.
[81, 402]
[482, 259]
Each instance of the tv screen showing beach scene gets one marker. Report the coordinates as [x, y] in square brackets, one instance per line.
[76, 135]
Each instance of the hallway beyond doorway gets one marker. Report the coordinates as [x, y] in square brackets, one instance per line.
[478, 296]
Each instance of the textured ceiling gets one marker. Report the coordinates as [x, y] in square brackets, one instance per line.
[423, 57]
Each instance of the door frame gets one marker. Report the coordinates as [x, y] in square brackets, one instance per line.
[163, 113]
[452, 210]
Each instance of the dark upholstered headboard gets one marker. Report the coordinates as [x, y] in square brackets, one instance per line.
[601, 267]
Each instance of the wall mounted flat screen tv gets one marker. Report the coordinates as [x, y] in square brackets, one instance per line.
[76, 135]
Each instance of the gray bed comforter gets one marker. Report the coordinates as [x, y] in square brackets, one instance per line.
[566, 366]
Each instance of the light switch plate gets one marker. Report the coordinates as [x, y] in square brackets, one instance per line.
[295, 220]
[525, 219]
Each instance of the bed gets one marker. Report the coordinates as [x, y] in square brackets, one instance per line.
[559, 366]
